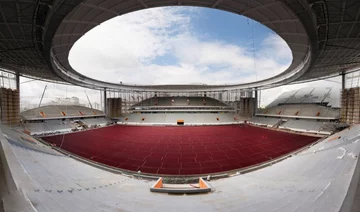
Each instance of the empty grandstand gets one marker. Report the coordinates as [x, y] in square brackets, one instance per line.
[175, 110]
[60, 111]
[184, 102]
[61, 119]
[312, 110]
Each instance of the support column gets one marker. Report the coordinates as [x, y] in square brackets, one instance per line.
[343, 80]
[105, 104]
[255, 101]
[17, 82]
[16, 100]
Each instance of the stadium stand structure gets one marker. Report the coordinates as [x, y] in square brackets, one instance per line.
[188, 110]
[321, 127]
[300, 110]
[266, 121]
[311, 110]
[60, 111]
[53, 119]
[183, 101]
[188, 118]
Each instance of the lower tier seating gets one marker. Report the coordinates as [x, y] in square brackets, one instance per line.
[171, 118]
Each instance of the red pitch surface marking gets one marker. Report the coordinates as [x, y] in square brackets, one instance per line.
[181, 150]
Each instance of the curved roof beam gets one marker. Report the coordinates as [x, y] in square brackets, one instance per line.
[325, 33]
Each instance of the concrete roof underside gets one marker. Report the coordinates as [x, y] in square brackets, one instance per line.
[37, 35]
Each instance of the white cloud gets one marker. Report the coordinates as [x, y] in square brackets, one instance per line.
[121, 46]
[276, 48]
[127, 48]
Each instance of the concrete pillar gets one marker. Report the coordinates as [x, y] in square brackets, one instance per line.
[343, 80]
[16, 100]
[105, 103]
[17, 81]
[255, 101]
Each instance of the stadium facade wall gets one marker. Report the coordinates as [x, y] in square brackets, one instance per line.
[246, 108]
[114, 107]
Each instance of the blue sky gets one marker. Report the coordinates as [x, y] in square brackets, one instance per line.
[229, 27]
[216, 25]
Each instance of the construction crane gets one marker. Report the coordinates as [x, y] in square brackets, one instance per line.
[88, 100]
[42, 96]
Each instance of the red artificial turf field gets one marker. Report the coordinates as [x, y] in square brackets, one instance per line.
[181, 150]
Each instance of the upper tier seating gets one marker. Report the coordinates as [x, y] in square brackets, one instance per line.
[309, 110]
[47, 126]
[300, 125]
[171, 118]
[58, 111]
[329, 97]
[180, 101]
[58, 125]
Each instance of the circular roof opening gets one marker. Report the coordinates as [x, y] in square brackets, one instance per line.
[180, 45]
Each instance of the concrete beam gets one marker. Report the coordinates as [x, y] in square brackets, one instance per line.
[17, 78]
